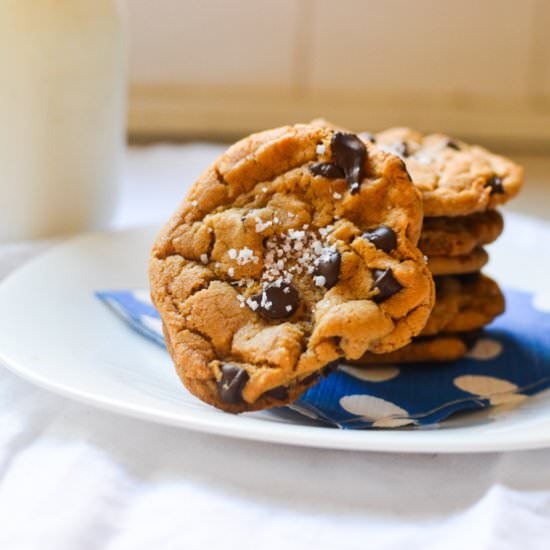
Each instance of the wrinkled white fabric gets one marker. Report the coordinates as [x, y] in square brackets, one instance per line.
[76, 478]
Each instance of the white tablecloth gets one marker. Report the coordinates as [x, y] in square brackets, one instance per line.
[76, 478]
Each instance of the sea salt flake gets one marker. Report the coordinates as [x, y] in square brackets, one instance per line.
[320, 149]
[319, 280]
[232, 253]
[204, 259]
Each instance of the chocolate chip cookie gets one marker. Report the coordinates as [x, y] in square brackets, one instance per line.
[456, 179]
[425, 349]
[296, 248]
[464, 303]
[461, 235]
[457, 265]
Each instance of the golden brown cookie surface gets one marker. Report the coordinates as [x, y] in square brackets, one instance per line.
[464, 303]
[461, 235]
[457, 265]
[295, 248]
[425, 349]
[456, 179]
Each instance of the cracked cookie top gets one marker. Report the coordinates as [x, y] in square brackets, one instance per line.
[297, 247]
[456, 179]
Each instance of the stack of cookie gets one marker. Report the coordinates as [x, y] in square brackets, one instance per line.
[461, 185]
[297, 249]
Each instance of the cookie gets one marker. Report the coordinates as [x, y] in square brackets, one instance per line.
[296, 248]
[456, 265]
[460, 236]
[425, 349]
[464, 303]
[456, 179]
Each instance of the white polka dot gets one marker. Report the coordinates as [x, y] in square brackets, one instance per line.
[143, 296]
[542, 302]
[371, 374]
[510, 399]
[485, 349]
[484, 386]
[371, 408]
[152, 323]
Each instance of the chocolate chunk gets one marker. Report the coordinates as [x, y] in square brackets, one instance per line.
[329, 268]
[278, 301]
[232, 383]
[349, 153]
[386, 283]
[280, 393]
[367, 136]
[382, 237]
[402, 149]
[452, 145]
[495, 183]
[327, 170]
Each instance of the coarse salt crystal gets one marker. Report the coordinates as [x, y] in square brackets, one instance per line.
[288, 308]
[336, 195]
[320, 149]
[232, 253]
[194, 203]
[319, 280]
[204, 259]
[231, 271]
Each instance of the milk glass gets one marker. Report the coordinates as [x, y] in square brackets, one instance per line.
[62, 115]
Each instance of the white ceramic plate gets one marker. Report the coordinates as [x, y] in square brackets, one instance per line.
[55, 333]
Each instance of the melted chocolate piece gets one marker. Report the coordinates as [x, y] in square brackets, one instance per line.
[349, 153]
[402, 149]
[232, 383]
[386, 283]
[367, 136]
[280, 393]
[327, 170]
[382, 237]
[329, 268]
[495, 183]
[278, 301]
[452, 145]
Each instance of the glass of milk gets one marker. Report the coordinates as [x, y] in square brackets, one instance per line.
[62, 115]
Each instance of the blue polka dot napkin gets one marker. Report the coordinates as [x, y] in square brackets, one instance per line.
[509, 363]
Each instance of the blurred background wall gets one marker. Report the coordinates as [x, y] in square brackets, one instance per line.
[478, 69]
